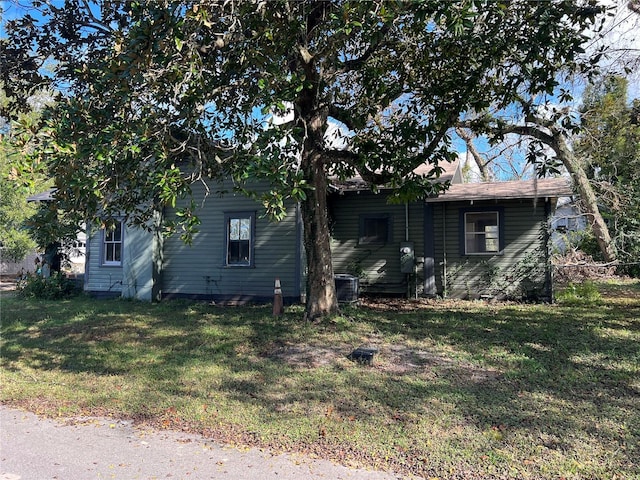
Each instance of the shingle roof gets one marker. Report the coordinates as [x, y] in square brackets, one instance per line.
[357, 183]
[538, 188]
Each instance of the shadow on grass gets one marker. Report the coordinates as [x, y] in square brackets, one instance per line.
[558, 376]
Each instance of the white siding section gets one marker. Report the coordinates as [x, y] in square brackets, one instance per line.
[99, 278]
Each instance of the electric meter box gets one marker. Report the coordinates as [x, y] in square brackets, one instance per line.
[407, 257]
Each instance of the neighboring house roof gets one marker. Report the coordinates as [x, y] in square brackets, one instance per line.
[537, 188]
[450, 172]
[45, 196]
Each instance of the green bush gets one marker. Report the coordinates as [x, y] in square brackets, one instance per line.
[57, 286]
[585, 293]
[589, 245]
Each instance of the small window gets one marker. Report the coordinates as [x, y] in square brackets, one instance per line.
[481, 232]
[112, 245]
[375, 229]
[239, 229]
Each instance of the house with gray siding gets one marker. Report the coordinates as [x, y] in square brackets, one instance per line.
[235, 257]
[491, 240]
[476, 240]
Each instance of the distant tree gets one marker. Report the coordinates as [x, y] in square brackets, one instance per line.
[609, 147]
[548, 150]
[163, 93]
[481, 161]
[549, 134]
[14, 210]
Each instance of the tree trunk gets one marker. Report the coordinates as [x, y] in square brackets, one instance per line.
[321, 290]
[581, 181]
[468, 140]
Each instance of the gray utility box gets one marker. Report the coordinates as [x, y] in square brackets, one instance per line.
[407, 257]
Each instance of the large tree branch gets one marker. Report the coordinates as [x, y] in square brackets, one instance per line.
[553, 136]
[378, 41]
[529, 131]
[468, 140]
[95, 22]
[354, 160]
[341, 156]
[345, 116]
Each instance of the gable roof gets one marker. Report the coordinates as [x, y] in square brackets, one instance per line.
[450, 172]
[537, 188]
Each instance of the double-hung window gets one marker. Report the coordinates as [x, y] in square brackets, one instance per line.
[482, 232]
[239, 244]
[112, 245]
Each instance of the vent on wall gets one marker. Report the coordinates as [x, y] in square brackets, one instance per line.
[346, 287]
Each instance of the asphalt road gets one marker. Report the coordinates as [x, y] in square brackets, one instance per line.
[33, 448]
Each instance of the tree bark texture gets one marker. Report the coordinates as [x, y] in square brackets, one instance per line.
[321, 292]
[468, 140]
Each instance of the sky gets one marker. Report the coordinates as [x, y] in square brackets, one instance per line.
[10, 9]
[622, 35]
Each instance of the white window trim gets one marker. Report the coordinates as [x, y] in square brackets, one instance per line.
[499, 234]
[104, 246]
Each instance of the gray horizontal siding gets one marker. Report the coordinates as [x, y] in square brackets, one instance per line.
[199, 269]
[134, 277]
[377, 265]
[518, 271]
[100, 279]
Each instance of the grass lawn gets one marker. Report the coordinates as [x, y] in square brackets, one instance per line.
[457, 389]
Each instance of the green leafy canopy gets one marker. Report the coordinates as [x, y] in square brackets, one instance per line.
[156, 86]
[160, 94]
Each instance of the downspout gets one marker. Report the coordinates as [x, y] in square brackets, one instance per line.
[547, 256]
[299, 289]
[406, 239]
[87, 255]
[406, 221]
[444, 250]
[429, 266]
[157, 258]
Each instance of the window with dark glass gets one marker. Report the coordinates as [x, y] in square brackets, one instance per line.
[112, 245]
[239, 238]
[375, 229]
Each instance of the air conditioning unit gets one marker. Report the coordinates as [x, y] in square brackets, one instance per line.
[346, 288]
